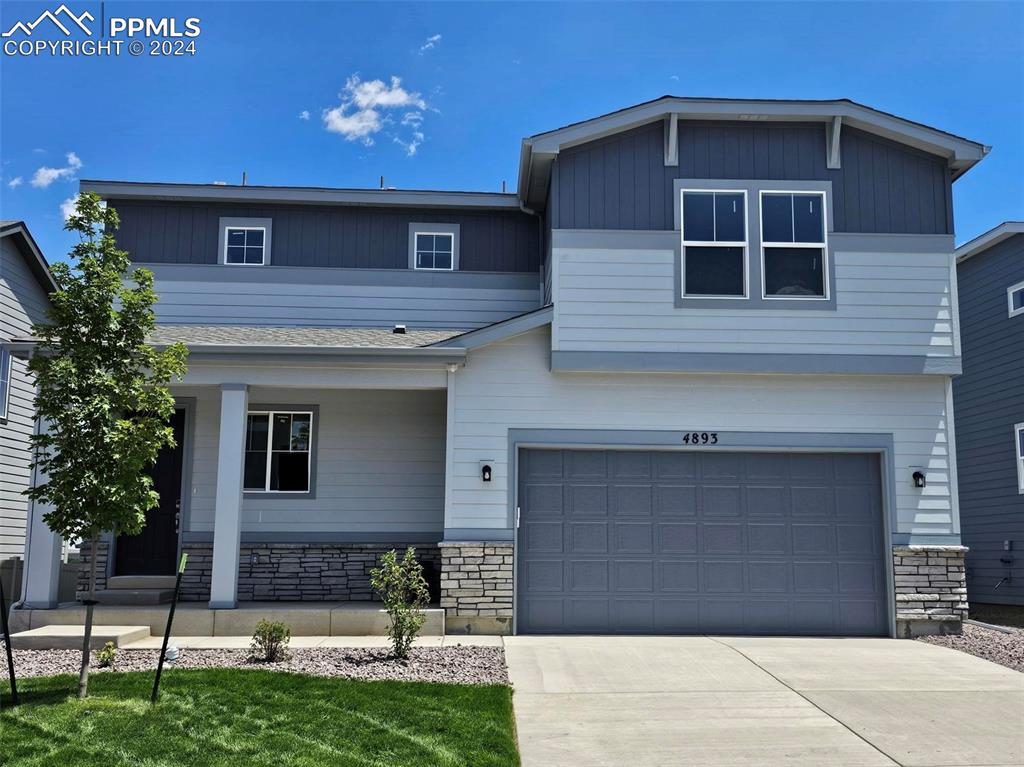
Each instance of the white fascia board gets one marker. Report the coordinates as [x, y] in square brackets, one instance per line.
[992, 237]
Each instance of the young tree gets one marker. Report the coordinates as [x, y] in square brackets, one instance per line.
[102, 394]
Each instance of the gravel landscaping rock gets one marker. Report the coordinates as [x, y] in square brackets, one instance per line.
[451, 665]
[1004, 649]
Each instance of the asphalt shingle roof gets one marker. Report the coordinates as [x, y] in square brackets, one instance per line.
[254, 335]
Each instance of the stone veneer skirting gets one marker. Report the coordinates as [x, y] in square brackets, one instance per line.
[275, 572]
[476, 586]
[931, 590]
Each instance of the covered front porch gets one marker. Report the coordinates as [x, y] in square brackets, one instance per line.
[295, 469]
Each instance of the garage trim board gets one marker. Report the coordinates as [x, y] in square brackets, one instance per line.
[880, 444]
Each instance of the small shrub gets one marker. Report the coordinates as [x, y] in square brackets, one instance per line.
[401, 585]
[106, 657]
[270, 641]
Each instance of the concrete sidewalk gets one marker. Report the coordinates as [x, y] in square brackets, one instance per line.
[643, 701]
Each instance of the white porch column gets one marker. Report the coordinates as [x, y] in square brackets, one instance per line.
[449, 448]
[227, 518]
[42, 554]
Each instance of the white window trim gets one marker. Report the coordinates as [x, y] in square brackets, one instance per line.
[1020, 456]
[5, 406]
[744, 244]
[263, 249]
[1009, 299]
[270, 452]
[822, 246]
[415, 239]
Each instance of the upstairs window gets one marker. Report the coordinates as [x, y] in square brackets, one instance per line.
[434, 251]
[793, 248]
[245, 245]
[714, 227]
[278, 452]
[1015, 299]
[5, 382]
[1018, 439]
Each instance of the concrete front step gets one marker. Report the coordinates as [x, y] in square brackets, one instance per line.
[141, 597]
[196, 619]
[141, 582]
[70, 637]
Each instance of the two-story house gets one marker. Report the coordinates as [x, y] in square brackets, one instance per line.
[25, 286]
[694, 377]
[989, 399]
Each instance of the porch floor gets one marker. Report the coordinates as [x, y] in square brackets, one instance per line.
[196, 619]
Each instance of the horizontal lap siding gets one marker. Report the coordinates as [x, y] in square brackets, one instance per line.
[989, 400]
[22, 302]
[327, 236]
[509, 385]
[622, 182]
[623, 300]
[380, 463]
[222, 301]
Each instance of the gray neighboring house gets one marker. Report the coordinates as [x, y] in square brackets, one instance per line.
[25, 284]
[989, 399]
[695, 376]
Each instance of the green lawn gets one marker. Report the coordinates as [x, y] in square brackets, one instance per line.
[242, 717]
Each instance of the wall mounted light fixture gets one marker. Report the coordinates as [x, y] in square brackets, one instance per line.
[919, 480]
[486, 471]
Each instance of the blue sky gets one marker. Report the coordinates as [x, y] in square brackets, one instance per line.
[475, 79]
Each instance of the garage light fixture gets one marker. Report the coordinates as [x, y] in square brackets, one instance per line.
[919, 480]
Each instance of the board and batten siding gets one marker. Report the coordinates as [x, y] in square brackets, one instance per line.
[622, 182]
[274, 295]
[989, 401]
[380, 464]
[897, 303]
[509, 386]
[353, 237]
[22, 303]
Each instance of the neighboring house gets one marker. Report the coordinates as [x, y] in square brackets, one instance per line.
[989, 399]
[694, 377]
[25, 284]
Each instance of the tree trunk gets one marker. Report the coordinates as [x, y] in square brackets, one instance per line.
[83, 674]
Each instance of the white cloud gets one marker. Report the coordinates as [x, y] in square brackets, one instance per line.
[431, 42]
[304, 114]
[412, 144]
[15, 182]
[674, 77]
[67, 208]
[362, 112]
[45, 176]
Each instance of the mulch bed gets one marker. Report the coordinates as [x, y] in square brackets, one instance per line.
[450, 665]
[1004, 649]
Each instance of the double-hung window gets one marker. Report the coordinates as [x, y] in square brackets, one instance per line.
[245, 245]
[1018, 441]
[793, 246]
[714, 228]
[5, 381]
[1015, 299]
[278, 451]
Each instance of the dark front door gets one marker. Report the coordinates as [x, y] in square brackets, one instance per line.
[153, 551]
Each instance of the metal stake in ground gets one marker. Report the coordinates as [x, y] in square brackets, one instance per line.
[167, 631]
[7, 643]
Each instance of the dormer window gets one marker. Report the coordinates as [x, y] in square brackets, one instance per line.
[244, 241]
[1015, 299]
[714, 244]
[793, 249]
[434, 247]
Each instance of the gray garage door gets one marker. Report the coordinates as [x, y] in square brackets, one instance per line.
[639, 542]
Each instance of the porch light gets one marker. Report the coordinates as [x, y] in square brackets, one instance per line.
[919, 480]
[485, 472]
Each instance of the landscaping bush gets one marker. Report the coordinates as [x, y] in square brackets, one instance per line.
[106, 657]
[270, 641]
[401, 585]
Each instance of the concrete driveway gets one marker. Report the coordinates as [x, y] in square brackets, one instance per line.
[640, 701]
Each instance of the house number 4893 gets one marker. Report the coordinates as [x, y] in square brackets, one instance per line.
[701, 438]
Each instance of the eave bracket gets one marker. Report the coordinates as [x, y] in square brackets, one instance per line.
[832, 159]
[672, 140]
